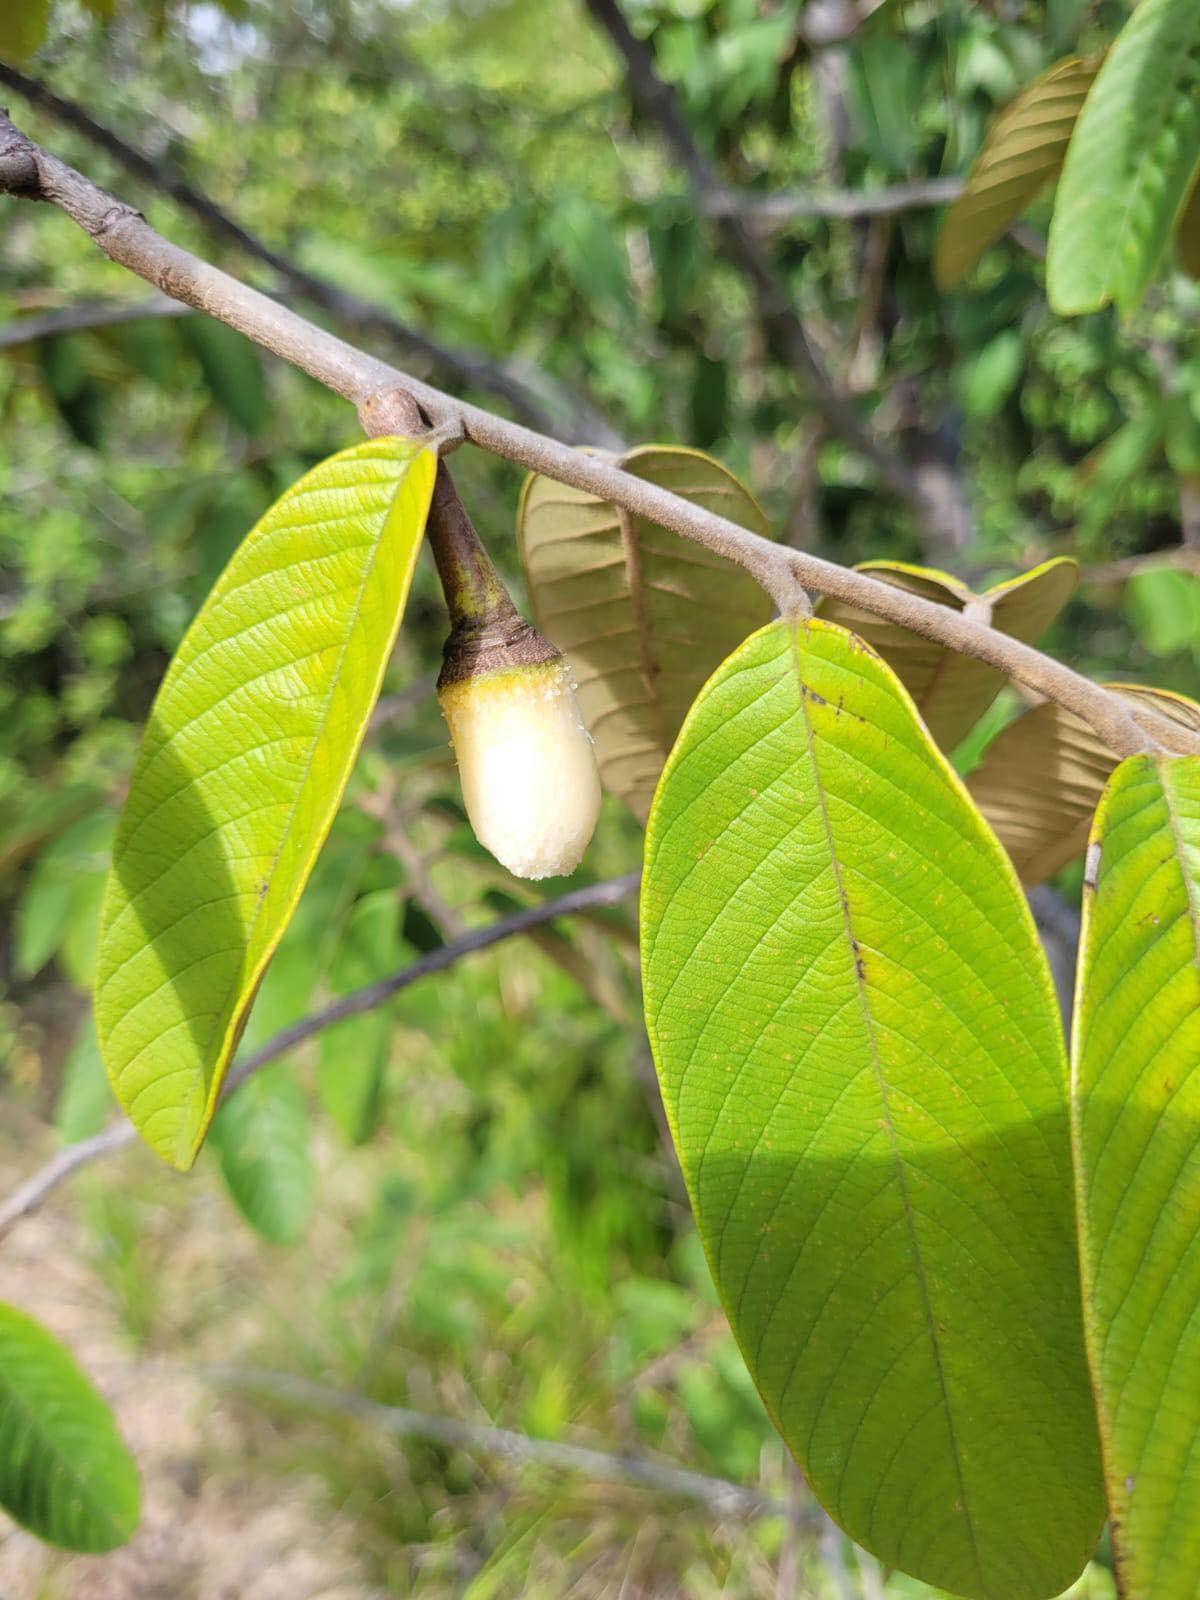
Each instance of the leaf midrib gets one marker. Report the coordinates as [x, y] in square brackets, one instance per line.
[889, 1125]
[82, 1486]
[213, 1088]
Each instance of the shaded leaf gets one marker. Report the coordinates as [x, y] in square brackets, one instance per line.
[64, 1471]
[642, 615]
[23, 25]
[249, 747]
[1164, 608]
[861, 1060]
[1130, 163]
[84, 1097]
[1187, 233]
[353, 1055]
[1023, 151]
[1041, 779]
[952, 691]
[1136, 1123]
[261, 1135]
[232, 369]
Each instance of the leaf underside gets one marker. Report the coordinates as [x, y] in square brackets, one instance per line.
[1130, 163]
[641, 615]
[64, 1470]
[1136, 1125]
[863, 1068]
[1041, 779]
[249, 746]
[952, 691]
[1022, 152]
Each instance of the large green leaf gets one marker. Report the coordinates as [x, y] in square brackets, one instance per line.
[64, 1471]
[1023, 151]
[249, 747]
[261, 1135]
[642, 615]
[864, 1072]
[1130, 163]
[952, 691]
[1041, 779]
[1136, 1124]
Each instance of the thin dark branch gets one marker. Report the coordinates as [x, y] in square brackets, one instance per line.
[611, 892]
[31, 173]
[532, 396]
[658, 102]
[86, 315]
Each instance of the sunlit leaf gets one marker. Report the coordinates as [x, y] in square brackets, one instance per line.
[642, 615]
[952, 691]
[861, 1060]
[1136, 1117]
[1023, 151]
[249, 747]
[64, 1471]
[1041, 779]
[1130, 164]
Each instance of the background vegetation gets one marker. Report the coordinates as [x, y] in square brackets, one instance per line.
[510, 1247]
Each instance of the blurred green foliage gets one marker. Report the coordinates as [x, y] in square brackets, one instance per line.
[511, 1243]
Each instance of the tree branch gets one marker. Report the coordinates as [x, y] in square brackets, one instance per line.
[657, 100]
[86, 315]
[611, 892]
[28, 172]
[532, 396]
[788, 205]
[720, 1494]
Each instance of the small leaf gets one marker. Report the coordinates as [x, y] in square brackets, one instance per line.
[1130, 164]
[642, 615]
[1136, 1116]
[1187, 233]
[952, 691]
[1023, 151]
[23, 25]
[261, 1135]
[1041, 779]
[354, 1054]
[250, 744]
[84, 1098]
[232, 370]
[1164, 608]
[863, 1068]
[65, 1473]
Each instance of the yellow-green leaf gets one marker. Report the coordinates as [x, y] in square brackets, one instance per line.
[1136, 1125]
[1041, 779]
[1130, 163]
[862, 1064]
[1022, 152]
[952, 691]
[642, 615]
[249, 746]
[64, 1470]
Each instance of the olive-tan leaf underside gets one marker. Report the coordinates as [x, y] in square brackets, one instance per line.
[952, 691]
[1041, 779]
[641, 615]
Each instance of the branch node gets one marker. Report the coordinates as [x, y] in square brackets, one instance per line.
[390, 411]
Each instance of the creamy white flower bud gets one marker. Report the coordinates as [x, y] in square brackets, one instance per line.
[527, 766]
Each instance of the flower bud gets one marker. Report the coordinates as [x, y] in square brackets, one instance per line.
[526, 763]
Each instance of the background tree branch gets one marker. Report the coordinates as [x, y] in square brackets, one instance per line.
[31, 173]
[533, 396]
[610, 892]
